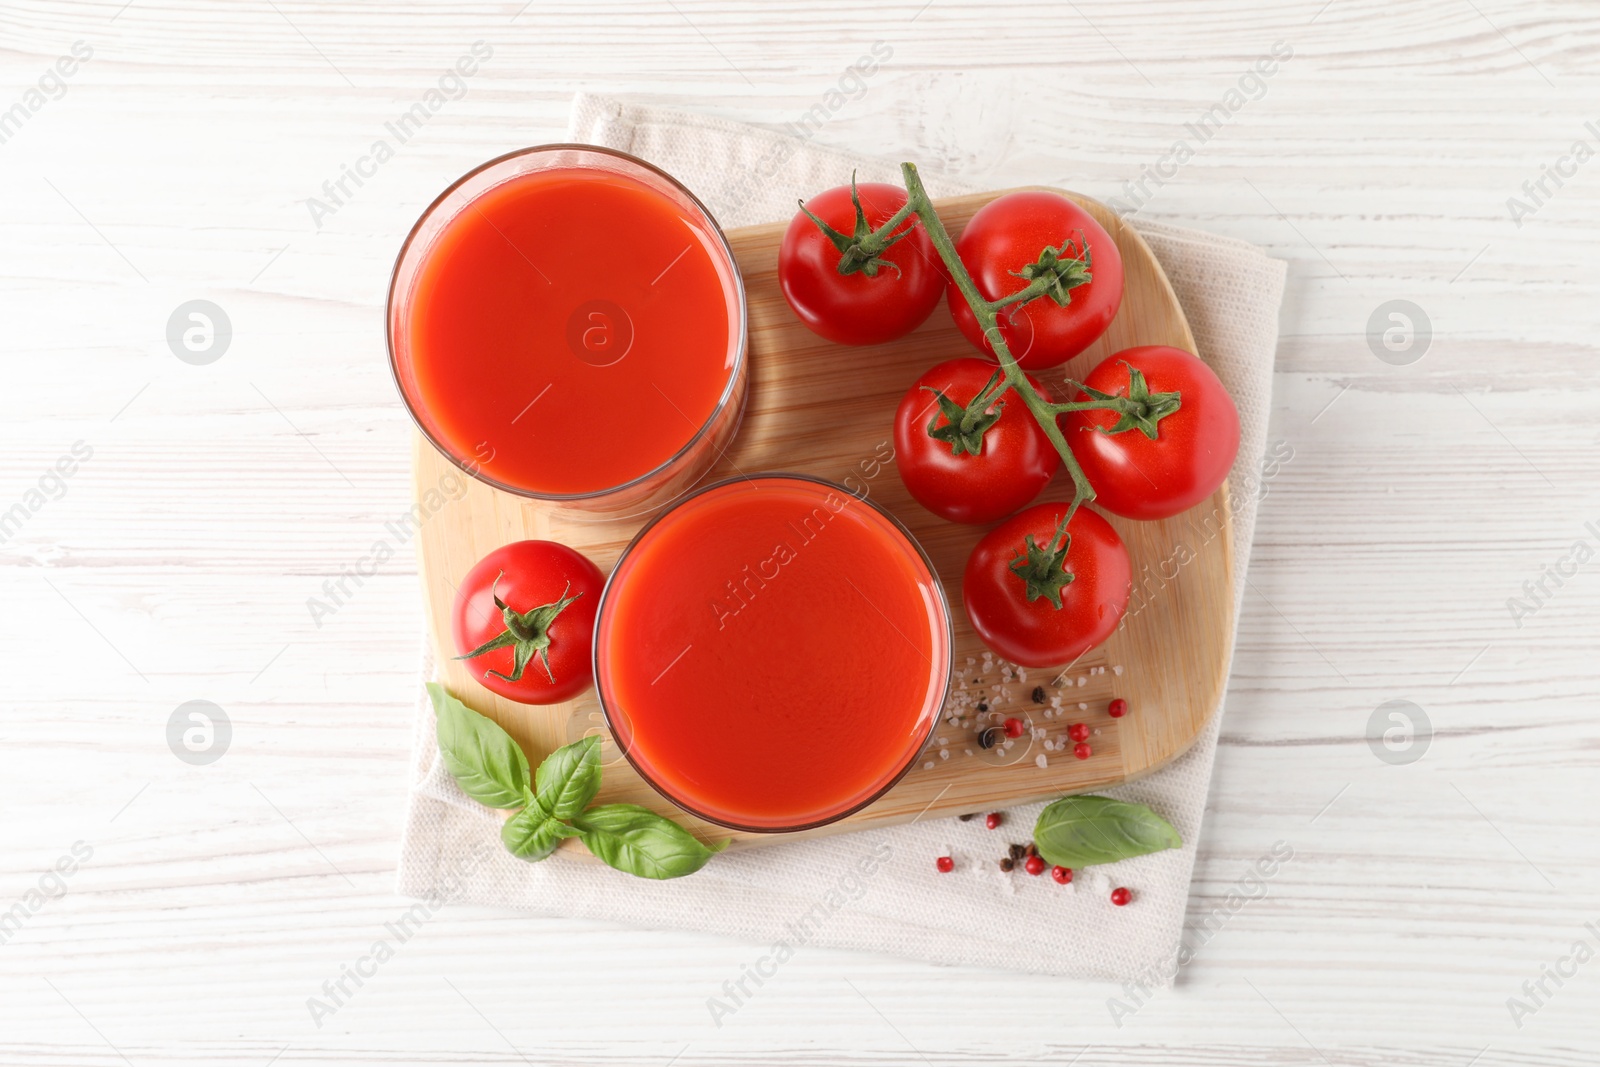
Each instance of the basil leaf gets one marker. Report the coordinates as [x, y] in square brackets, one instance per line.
[640, 842]
[489, 766]
[1083, 831]
[533, 835]
[569, 778]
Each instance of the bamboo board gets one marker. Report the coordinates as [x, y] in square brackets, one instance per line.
[1169, 659]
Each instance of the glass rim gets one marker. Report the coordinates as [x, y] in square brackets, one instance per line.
[729, 390]
[941, 601]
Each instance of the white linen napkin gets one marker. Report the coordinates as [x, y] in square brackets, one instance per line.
[878, 890]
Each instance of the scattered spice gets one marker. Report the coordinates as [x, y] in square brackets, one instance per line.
[1120, 896]
[1035, 866]
[1038, 694]
[945, 864]
[1031, 851]
[1082, 750]
[983, 705]
[967, 817]
[1008, 864]
[1078, 731]
[1018, 852]
[1062, 875]
[990, 736]
[992, 820]
[1117, 708]
[1014, 727]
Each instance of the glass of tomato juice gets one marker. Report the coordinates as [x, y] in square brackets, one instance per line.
[772, 652]
[567, 323]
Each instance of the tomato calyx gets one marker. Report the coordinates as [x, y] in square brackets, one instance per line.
[1064, 269]
[527, 633]
[965, 426]
[1043, 570]
[1139, 410]
[862, 251]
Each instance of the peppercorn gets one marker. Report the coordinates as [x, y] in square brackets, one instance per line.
[1008, 864]
[990, 736]
[1038, 694]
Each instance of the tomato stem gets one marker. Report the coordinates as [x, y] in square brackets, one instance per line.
[987, 313]
[862, 250]
[527, 633]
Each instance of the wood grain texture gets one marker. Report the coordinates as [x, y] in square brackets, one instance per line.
[1417, 501]
[827, 410]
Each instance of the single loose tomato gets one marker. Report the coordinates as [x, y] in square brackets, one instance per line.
[1155, 464]
[1042, 594]
[1018, 237]
[524, 616]
[981, 473]
[876, 298]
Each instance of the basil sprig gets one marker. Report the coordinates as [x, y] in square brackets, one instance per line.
[552, 804]
[1083, 831]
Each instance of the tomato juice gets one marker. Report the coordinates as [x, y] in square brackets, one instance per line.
[567, 321]
[772, 652]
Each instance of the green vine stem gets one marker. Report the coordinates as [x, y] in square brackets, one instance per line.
[1135, 411]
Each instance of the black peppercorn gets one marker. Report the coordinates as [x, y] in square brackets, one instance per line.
[1038, 694]
[967, 817]
[1008, 864]
[989, 737]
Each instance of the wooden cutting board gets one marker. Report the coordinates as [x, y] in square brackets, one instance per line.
[1169, 659]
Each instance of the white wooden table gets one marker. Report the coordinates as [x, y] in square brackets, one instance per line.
[176, 562]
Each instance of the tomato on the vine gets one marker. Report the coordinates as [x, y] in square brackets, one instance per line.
[524, 616]
[848, 296]
[1020, 236]
[1040, 591]
[964, 462]
[1170, 454]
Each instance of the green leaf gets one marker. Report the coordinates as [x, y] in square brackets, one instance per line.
[489, 766]
[533, 835]
[640, 842]
[1083, 831]
[569, 778]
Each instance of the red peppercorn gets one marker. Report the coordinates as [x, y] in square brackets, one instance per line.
[945, 864]
[1117, 708]
[992, 820]
[1061, 874]
[1078, 732]
[1120, 896]
[1013, 727]
[1034, 866]
[1082, 750]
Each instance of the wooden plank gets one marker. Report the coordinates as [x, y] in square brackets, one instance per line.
[1169, 659]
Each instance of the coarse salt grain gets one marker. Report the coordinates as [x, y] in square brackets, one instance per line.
[1117, 670]
[944, 753]
[1040, 761]
[928, 766]
[1083, 680]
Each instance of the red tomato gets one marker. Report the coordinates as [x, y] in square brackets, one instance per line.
[1018, 597]
[871, 305]
[1140, 477]
[1014, 458]
[1007, 235]
[524, 615]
